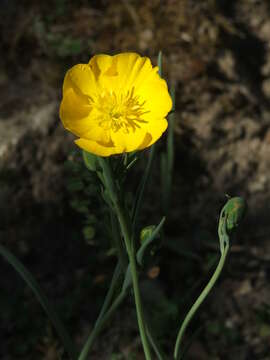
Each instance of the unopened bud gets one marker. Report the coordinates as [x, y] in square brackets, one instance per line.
[146, 232]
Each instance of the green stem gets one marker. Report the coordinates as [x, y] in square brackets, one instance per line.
[99, 326]
[109, 296]
[105, 306]
[140, 192]
[153, 341]
[132, 260]
[117, 242]
[125, 228]
[199, 301]
[125, 225]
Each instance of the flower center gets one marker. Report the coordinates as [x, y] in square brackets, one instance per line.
[118, 111]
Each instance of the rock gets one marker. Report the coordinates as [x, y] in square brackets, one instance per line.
[266, 88]
[226, 63]
[14, 128]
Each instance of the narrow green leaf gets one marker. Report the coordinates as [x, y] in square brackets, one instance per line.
[154, 343]
[107, 178]
[117, 302]
[140, 191]
[41, 297]
[141, 188]
[167, 160]
[170, 139]
[164, 181]
[128, 279]
[90, 160]
[159, 63]
[105, 307]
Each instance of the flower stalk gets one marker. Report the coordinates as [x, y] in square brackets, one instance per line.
[125, 225]
[230, 216]
[100, 324]
[198, 302]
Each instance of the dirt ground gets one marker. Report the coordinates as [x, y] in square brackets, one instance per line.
[217, 53]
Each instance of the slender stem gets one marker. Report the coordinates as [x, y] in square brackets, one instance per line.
[103, 310]
[133, 267]
[118, 243]
[190, 341]
[138, 304]
[99, 326]
[199, 301]
[125, 225]
[109, 296]
[140, 192]
[100, 319]
[153, 341]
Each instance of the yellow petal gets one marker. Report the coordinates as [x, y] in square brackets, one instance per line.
[100, 64]
[81, 79]
[132, 69]
[74, 111]
[78, 117]
[156, 128]
[154, 92]
[97, 133]
[121, 72]
[98, 149]
[128, 141]
[146, 142]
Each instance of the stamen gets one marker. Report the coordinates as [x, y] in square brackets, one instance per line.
[119, 111]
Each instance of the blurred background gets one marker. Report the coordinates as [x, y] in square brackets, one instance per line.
[217, 53]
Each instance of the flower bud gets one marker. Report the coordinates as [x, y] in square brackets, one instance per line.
[146, 233]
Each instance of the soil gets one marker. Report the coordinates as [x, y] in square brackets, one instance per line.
[217, 54]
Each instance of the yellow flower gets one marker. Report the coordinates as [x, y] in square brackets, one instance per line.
[115, 104]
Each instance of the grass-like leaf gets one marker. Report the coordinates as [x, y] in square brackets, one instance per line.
[41, 297]
[140, 191]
